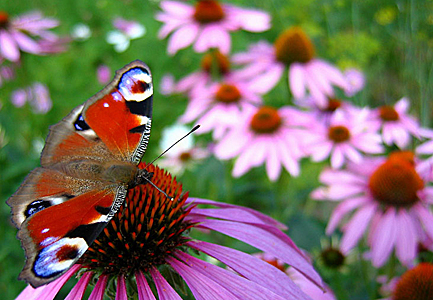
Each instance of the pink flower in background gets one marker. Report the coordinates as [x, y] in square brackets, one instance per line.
[397, 125]
[390, 200]
[37, 95]
[124, 33]
[213, 63]
[146, 247]
[323, 114]
[344, 138]
[218, 106]
[266, 63]
[16, 34]
[207, 24]
[185, 155]
[103, 74]
[7, 73]
[265, 135]
[355, 81]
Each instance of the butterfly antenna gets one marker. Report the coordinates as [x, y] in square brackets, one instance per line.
[159, 156]
[166, 150]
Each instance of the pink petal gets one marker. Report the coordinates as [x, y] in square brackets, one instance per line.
[406, 246]
[267, 239]
[164, 289]
[342, 210]
[78, 290]
[232, 144]
[273, 163]
[426, 218]
[384, 238]
[253, 20]
[8, 47]
[99, 289]
[177, 8]
[237, 285]
[266, 81]
[213, 36]
[337, 157]
[121, 293]
[182, 37]
[252, 268]
[201, 286]
[297, 80]
[143, 288]
[25, 43]
[354, 230]
[333, 74]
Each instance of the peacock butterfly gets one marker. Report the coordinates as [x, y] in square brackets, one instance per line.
[89, 161]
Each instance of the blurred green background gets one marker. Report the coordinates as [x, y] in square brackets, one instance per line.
[390, 41]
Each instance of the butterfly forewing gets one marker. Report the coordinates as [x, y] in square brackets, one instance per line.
[88, 161]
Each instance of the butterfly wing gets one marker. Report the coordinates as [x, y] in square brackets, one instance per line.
[59, 215]
[115, 122]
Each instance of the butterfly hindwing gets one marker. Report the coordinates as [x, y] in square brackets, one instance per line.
[57, 236]
[89, 160]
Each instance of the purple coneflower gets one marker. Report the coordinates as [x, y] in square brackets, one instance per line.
[125, 32]
[147, 244]
[344, 138]
[292, 49]
[265, 135]
[397, 125]
[37, 95]
[218, 106]
[207, 24]
[16, 34]
[391, 202]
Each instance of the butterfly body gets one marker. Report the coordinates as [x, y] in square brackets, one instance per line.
[89, 161]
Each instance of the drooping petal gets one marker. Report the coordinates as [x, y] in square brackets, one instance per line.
[8, 47]
[121, 293]
[78, 290]
[342, 210]
[297, 80]
[182, 38]
[99, 289]
[268, 239]
[143, 288]
[384, 238]
[202, 287]
[25, 43]
[406, 244]
[252, 268]
[213, 36]
[164, 289]
[237, 285]
[356, 227]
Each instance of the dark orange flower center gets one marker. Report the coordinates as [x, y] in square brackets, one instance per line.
[185, 156]
[208, 11]
[388, 113]
[144, 232]
[293, 45]
[4, 19]
[215, 60]
[275, 263]
[332, 258]
[396, 181]
[415, 284]
[228, 93]
[338, 134]
[266, 120]
[333, 104]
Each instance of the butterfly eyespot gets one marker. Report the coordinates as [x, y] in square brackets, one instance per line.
[136, 85]
[80, 124]
[41, 204]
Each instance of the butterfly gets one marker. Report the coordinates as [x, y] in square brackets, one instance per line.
[88, 163]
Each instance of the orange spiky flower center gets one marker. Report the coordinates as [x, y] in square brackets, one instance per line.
[388, 113]
[266, 120]
[415, 284]
[4, 19]
[215, 60]
[145, 230]
[208, 11]
[293, 45]
[227, 93]
[396, 182]
[338, 134]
